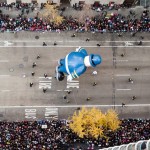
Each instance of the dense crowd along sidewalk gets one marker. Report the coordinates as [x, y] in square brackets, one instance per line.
[113, 22]
[56, 135]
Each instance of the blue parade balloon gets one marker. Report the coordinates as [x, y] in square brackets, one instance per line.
[76, 63]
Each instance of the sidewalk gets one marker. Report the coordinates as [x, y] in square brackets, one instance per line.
[76, 13]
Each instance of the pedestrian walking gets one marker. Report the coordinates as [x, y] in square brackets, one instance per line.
[139, 43]
[123, 104]
[38, 56]
[44, 90]
[45, 75]
[94, 83]
[142, 37]
[136, 69]
[68, 92]
[122, 55]
[31, 84]
[133, 34]
[65, 97]
[88, 98]
[44, 44]
[73, 35]
[134, 97]
[87, 40]
[34, 64]
[32, 73]
[55, 43]
[130, 80]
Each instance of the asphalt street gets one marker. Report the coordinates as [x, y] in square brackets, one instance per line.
[19, 101]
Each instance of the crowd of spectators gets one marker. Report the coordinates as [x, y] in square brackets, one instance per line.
[100, 23]
[100, 7]
[18, 6]
[56, 135]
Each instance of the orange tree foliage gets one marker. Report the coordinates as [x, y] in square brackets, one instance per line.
[51, 14]
[93, 123]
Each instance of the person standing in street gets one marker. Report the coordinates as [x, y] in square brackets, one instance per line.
[34, 64]
[45, 75]
[38, 56]
[44, 90]
[31, 84]
[32, 73]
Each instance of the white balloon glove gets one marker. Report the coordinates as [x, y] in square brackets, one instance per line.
[77, 49]
[69, 77]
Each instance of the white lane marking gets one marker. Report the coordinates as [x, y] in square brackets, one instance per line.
[45, 82]
[4, 60]
[60, 46]
[123, 75]
[4, 75]
[128, 44]
[51, 111]
[6, 43]
[74, 106]
[69, 41]
[123, 89]
[73, 84]
[63, 90]
[5, 90]
[45, 78]
[122, 60]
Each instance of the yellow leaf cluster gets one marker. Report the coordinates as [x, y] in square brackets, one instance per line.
[93, 123]
[50, 14]
[112, 120]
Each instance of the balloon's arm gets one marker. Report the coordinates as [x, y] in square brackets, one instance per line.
[78, 49]
[72, 76]
[69, 77]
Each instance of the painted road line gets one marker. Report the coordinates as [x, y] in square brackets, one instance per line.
[74, 106]
[60, 46]
[4, 75]
[21, 41]
[122, 75]
[45, 85]
[63, 90]
[122, 60]
[72, 84]
[5, 90]
[45, 82]
[45, 78]
[4, 60]
[123, 89]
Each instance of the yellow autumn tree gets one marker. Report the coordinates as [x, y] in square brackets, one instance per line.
[93, 123]
[112, 121]
[51, 14]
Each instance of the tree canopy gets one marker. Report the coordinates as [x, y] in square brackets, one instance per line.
[93, 123]
[51, 14]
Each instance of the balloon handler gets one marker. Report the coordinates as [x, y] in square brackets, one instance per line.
[75, 64]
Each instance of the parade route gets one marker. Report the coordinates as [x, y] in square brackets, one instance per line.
[112, 87]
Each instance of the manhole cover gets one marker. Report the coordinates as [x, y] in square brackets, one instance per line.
[21, 65]
[1, 115]
[25, 58]
[36, 37]
[11, 69]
